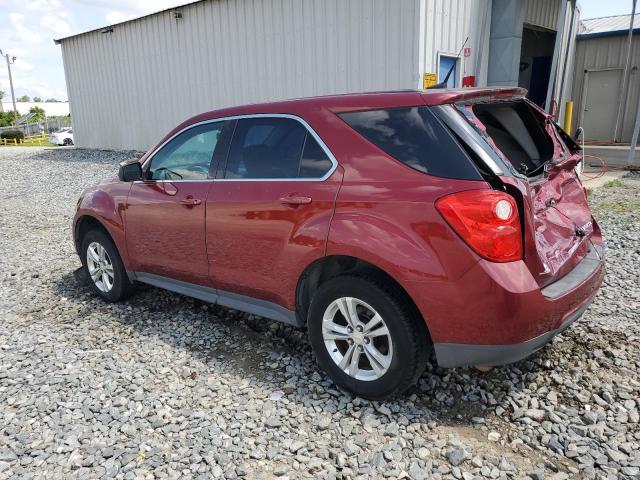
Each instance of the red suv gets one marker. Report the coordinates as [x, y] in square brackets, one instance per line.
[388, 224]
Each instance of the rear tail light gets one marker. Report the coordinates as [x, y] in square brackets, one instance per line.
[487, 220]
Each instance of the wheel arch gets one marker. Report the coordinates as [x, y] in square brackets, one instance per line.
[84, 224]
[325, 268]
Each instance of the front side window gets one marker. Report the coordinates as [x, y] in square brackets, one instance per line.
[275, 148]
[415, 137]
[187, 156]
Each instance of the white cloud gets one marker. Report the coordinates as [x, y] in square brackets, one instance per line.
[43, 5]
[126, 10]
[56, 24]
[134, 7]
[116, 17]
[18, 51]
[23, 33]
[27, 84]
[22, 65]
[26, 32]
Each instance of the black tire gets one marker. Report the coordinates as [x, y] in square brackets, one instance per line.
[67, 142]
[411, 345]
[122, 287]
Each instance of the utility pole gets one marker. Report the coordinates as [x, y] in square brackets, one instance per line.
[13, 95]
[617, 130]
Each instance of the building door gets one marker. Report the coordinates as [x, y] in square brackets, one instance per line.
[600, 104]
[446, 63]
[535, 62]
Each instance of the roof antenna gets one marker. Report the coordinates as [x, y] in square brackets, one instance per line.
[443, 84]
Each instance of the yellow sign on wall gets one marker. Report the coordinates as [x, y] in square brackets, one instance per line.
[429, 79]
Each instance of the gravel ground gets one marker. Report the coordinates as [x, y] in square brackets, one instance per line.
[163, 386]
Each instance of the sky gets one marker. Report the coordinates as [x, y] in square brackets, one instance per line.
[28, 27]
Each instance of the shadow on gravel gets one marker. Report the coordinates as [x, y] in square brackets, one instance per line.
[251, 344]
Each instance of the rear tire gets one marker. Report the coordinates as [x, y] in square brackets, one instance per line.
[104, 268]
[391, 344]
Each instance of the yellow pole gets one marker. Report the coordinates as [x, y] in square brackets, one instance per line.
[568, 116]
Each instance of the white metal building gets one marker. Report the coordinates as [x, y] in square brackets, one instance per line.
[606, 101]
[129, 83]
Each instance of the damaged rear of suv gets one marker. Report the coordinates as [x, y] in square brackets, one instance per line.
[523, 153]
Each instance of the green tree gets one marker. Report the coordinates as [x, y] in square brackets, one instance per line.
[7, 118]
[37, 99]
[1, 94]
[38, 114]
[24, 98]
[53, 100]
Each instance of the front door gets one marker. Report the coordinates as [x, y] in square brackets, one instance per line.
[268, 217]
[165, 216]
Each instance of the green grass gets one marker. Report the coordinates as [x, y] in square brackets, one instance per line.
[29, 142]
[617, 200]
[613, 183]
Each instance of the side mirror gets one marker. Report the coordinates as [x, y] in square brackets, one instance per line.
[130, 172]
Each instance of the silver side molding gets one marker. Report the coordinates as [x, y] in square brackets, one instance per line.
[255, 306]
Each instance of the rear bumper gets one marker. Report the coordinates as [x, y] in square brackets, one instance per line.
[458, 355]
[497, 314]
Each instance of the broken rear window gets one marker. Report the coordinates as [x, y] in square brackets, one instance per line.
[518, 131]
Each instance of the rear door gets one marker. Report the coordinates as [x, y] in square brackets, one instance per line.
[268, 215]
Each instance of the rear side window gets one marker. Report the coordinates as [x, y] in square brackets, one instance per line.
[275, 148]
[415, 137]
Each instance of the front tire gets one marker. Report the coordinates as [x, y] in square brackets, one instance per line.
[104, 268]
[367, 337]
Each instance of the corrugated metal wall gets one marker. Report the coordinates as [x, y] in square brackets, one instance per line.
[570, 41]
[446, 25]
[607, 53]
[542, 13]
[129, 87]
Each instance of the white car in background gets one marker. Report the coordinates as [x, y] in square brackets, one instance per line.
[63, 136]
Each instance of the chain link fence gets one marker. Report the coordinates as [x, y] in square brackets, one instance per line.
[52, 124]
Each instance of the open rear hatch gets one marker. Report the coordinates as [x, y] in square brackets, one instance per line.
[540, 161]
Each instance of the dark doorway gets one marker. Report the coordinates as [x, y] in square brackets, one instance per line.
[535, 62]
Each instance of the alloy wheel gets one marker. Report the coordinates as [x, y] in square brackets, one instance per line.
[100, 267]
[357, 339]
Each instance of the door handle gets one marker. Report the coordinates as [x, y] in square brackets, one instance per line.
[293, 199]
[188, 201]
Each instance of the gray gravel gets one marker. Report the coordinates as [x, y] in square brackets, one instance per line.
[163, 386]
